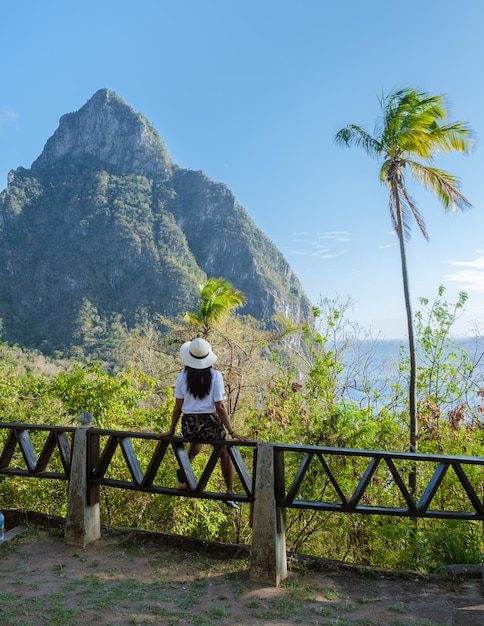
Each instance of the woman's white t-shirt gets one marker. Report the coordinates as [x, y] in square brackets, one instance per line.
[197, 405]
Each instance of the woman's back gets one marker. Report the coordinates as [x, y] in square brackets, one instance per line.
[192, 402]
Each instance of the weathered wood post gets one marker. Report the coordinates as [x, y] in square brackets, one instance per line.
[268, 555]
[83, 519]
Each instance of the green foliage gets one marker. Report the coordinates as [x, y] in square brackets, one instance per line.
[445, 373]
[308, 385]
[112, 399]
[98, 241]
[26, 190]
[218, 298]
[25, 388]
[449, 380]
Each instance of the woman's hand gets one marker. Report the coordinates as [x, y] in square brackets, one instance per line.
[235, 435]
[162, 435]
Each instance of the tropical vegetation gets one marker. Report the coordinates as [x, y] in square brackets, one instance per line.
[320, 384]
[217, 298]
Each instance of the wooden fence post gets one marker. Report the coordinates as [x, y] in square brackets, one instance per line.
[268, 555]
[83, 520]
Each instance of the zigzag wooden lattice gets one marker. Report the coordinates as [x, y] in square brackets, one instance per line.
[383, 461]
[19, 438]
[101, 458]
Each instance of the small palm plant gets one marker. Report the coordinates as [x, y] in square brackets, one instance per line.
[217, 298]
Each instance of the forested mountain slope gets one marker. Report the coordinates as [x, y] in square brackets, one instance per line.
[105, 225]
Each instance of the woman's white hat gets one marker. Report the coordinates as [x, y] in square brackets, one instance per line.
[197, 354]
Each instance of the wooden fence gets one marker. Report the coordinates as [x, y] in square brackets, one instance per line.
[279, 477]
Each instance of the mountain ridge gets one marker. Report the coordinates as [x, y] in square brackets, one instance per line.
[105, 221]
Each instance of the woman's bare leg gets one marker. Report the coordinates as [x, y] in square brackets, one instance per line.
[193, 450]
[227, 470]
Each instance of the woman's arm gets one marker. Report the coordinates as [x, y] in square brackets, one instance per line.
[225, 419]
[177, 409]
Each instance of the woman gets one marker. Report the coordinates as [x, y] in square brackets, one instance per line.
[199, 395]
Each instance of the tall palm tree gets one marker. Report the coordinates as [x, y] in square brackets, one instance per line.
[407, 137]
[217, 298]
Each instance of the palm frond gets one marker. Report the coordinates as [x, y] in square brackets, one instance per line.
[443, 184]
[456, 137]
[217, 298]
[353, 135]
[193, 319]
[412, 122]
[392, 205]
[411, 206]
[408, 208]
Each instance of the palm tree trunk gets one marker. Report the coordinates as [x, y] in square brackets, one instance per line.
[411, 337]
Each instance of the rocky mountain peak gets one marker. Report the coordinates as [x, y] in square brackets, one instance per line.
[104, 228]
[107, 133]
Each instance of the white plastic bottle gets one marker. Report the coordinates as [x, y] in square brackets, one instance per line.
[2, 526]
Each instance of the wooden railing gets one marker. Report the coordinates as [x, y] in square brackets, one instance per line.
[381, 478]
[318, 479]
[103, 445]
[18, 438]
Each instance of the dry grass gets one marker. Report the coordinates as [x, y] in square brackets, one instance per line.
[126, 579]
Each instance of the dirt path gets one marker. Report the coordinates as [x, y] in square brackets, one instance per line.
[122, 579]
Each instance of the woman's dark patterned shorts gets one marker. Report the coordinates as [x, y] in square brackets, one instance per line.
[203, 427]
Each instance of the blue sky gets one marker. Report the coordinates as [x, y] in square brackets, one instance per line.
[252, 92]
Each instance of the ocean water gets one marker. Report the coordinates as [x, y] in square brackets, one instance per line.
[372, 368]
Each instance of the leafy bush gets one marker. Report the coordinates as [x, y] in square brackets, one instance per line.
[287, 385]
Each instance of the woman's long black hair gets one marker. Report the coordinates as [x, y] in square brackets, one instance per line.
[199, 381]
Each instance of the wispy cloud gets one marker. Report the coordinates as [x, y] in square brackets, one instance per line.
[471, 277]
[322, 245]
[388, 245]
[329, 234]
[325, 254]
[336, 235]
[7, 116]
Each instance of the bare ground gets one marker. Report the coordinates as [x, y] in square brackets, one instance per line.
[131, 578]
